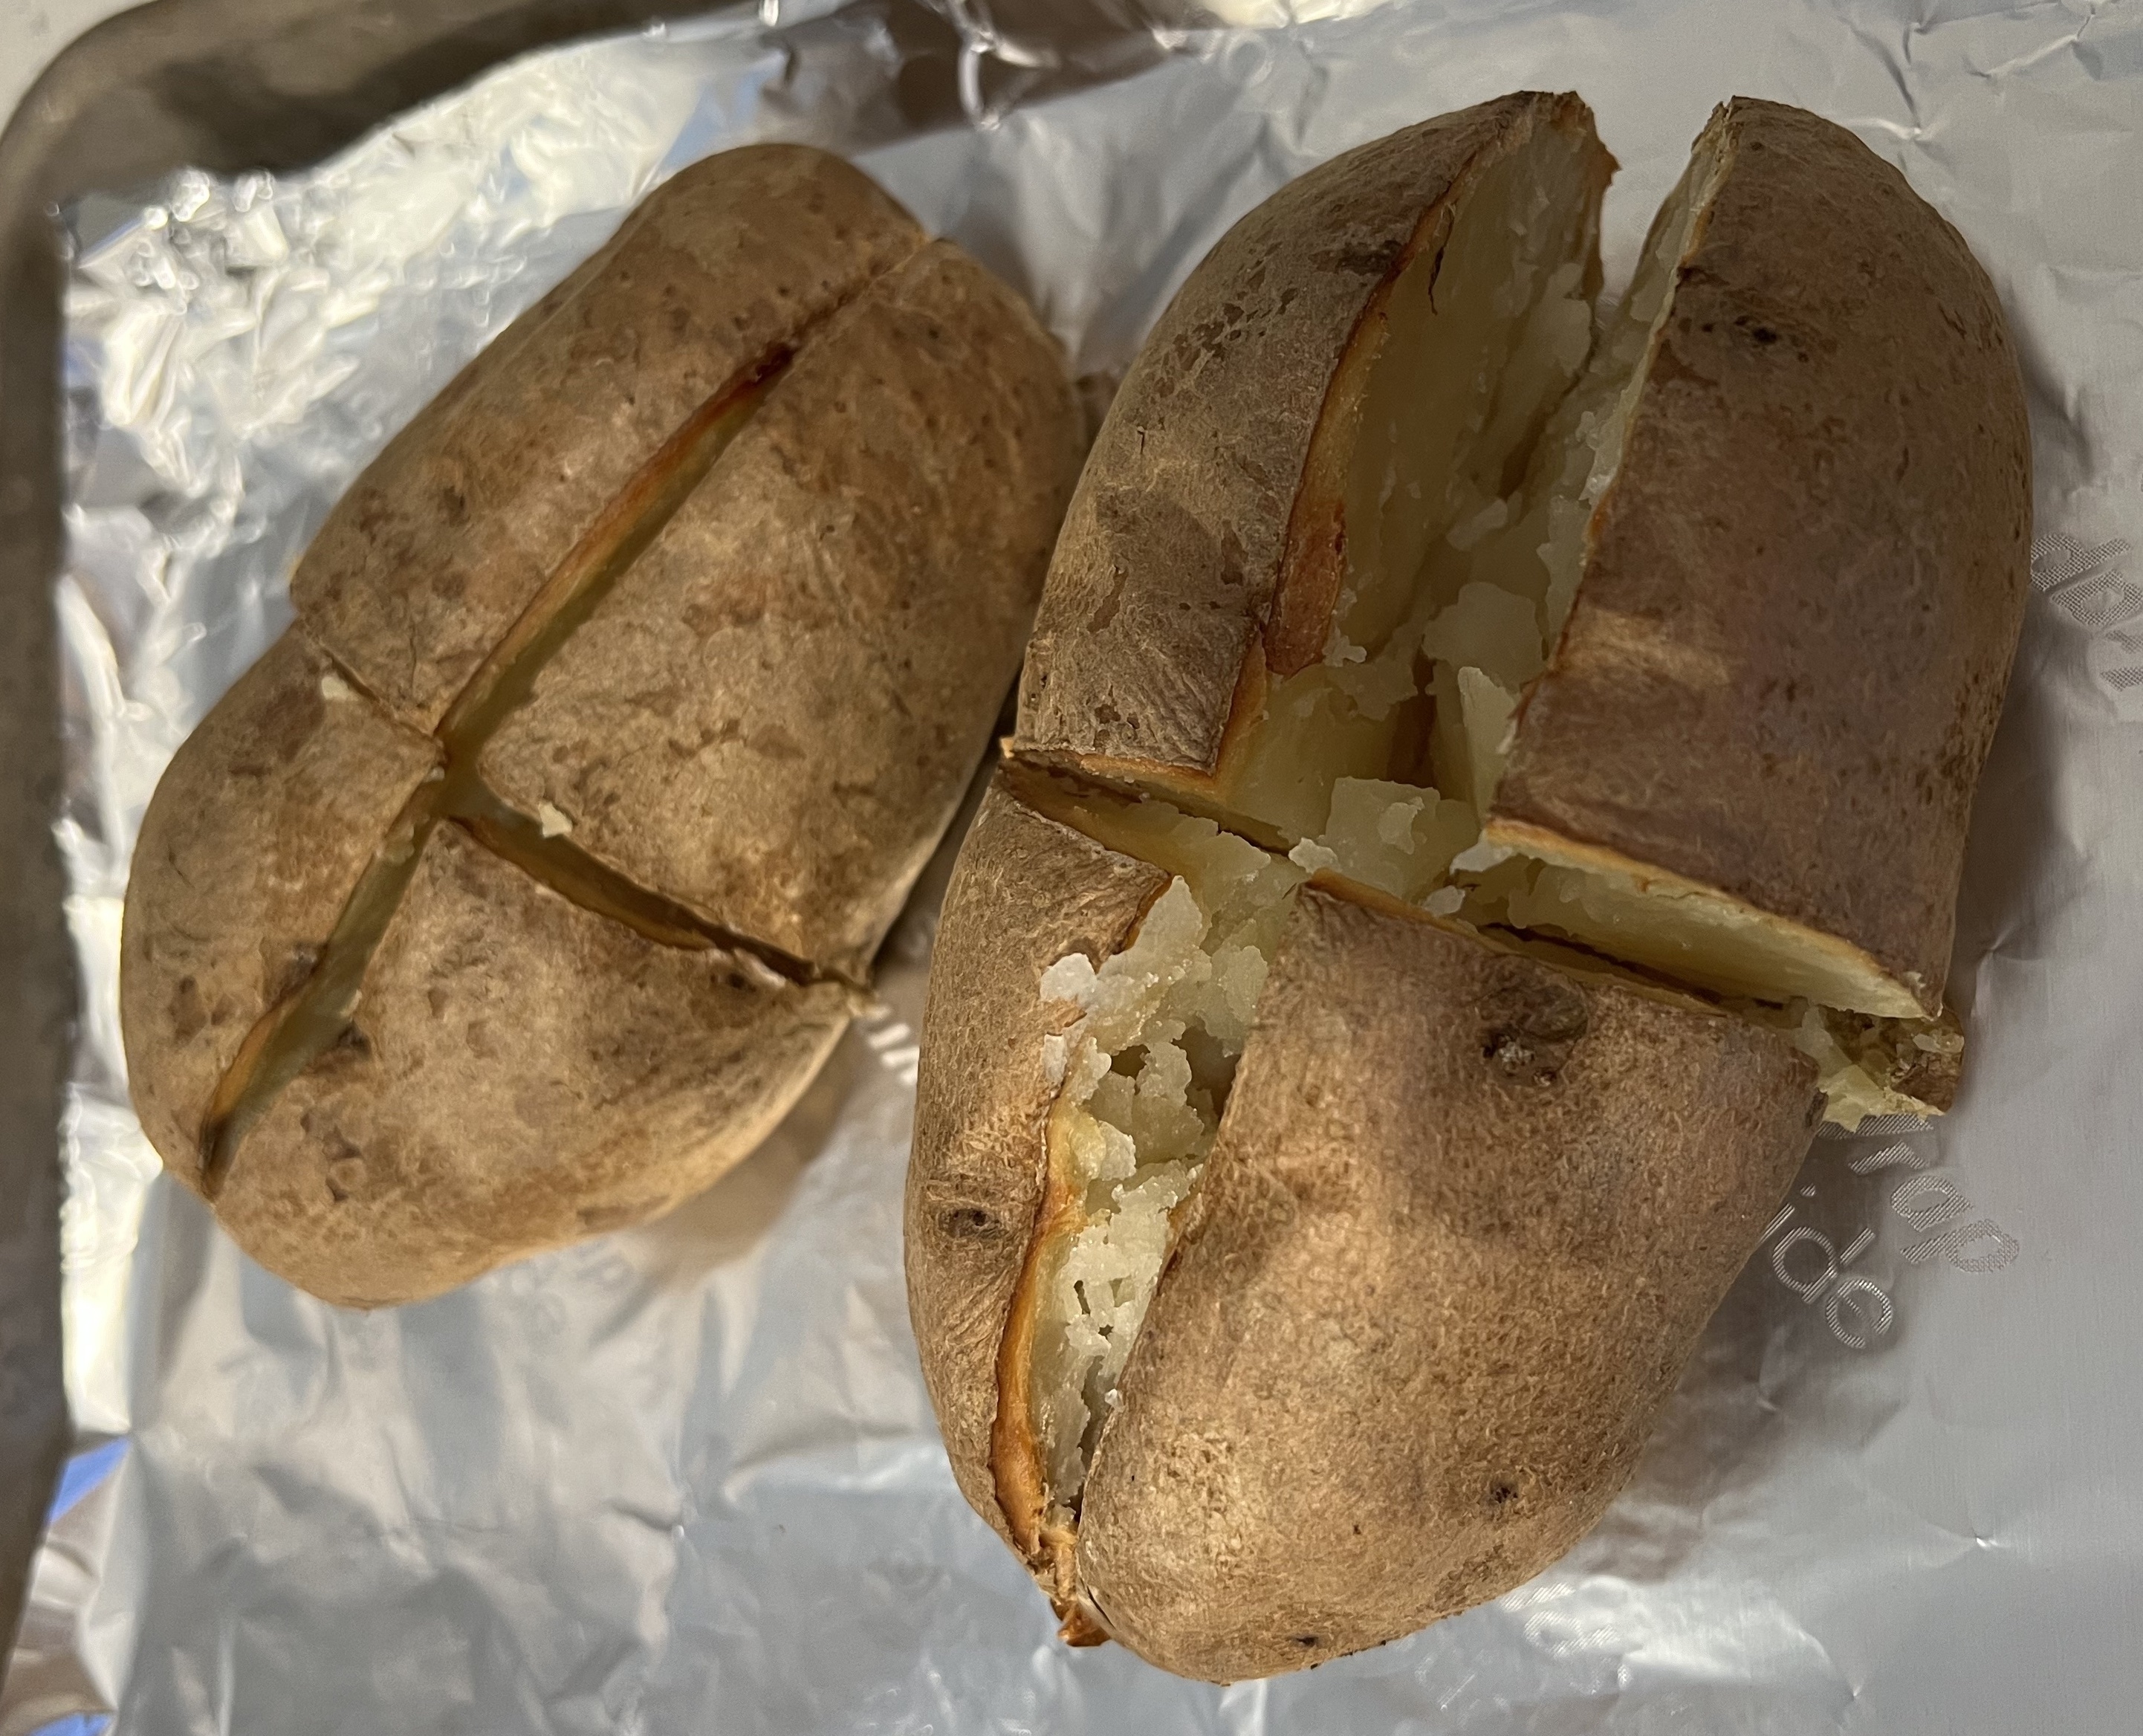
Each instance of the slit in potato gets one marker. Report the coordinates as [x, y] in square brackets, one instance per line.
[592, 567]
[1144, 1074]
[1462, 603]
[1690, 932]
[557, 862]
[294, 1034]
[1489, 424]
[286, 1039]
[1476, 343]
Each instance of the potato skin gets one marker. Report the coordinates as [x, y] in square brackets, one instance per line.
[1470, 1208]
[1791, 701]
[1176, 548]
[542, 1047]
[865, 557]
[1026, 890]
[1428, 1303]
[435, 550]
[254, 838]
[520, 1073]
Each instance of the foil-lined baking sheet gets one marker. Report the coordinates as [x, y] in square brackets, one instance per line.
[686, 1478]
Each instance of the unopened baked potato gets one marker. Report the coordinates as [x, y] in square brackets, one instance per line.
[523, 884]
[1489, 777]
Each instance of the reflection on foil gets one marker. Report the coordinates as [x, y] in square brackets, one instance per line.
[686, 1477]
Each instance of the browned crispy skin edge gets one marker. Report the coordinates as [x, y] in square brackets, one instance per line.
[1026, 890]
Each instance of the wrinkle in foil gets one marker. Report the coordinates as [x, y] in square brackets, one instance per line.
[686, 1477]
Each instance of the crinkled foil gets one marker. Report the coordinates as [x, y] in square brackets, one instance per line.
[686, 1478]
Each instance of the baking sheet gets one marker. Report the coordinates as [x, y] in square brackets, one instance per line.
[686, 1477]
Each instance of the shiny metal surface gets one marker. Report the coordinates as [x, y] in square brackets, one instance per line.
[685, 1478]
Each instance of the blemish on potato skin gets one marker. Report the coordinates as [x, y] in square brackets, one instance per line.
[1105, 611]
[969, 1224]
[189, 1017]
[1531, 1022]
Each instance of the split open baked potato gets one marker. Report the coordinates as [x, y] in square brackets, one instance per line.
[1490, 775]
[523, 884]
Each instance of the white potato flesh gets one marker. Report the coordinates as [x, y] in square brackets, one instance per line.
[1144, 1074]
[1697, 937]
[1483, 338]
[1851, 1088]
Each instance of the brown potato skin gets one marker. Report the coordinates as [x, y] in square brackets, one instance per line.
[544, 1047]
[1177, 548]
[521, 1073]
[1026, 891]
[1805, 584]
[1468, 1211]
[866, 555]
[435, 550]
[1428, 1303]
[254, 838]
[1567, 1169]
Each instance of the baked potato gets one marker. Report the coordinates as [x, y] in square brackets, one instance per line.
[526, 881]
[1488, 778]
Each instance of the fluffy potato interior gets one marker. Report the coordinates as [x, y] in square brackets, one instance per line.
[1480, 340]
[1144, 1074]
[1688, 933]
[1870, 1066]
[1488, 435]
[1683, 932]
[1451, 611]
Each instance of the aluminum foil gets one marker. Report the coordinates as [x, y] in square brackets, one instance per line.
[686, 1478]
